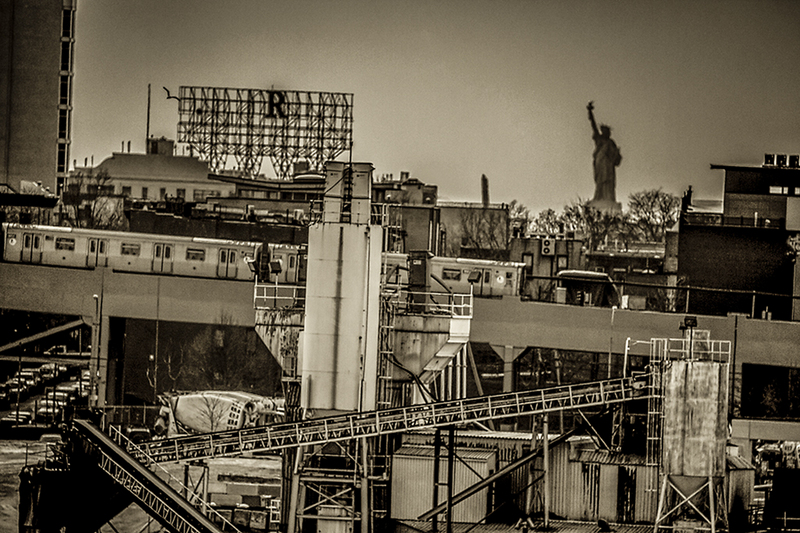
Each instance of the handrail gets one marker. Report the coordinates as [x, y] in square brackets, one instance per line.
[396, 420]
[194, 499]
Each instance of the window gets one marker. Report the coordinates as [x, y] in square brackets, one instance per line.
[181, 193]
[66, 47]
[130, 249]
[63, 123]
[195, 254]
[777, 189]
[64, 90]
[291, 261]
[66, 23]
[144, 193]
[63, 243]
[452, 274]
[162, 193]
[126, 191]
[61, 164]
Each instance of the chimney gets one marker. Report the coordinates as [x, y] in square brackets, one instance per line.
[484, 190]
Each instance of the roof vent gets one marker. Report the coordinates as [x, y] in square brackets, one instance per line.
[780, 160]
[769, 160]
[794, 161]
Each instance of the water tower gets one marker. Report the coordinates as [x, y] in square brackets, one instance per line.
[695, 374]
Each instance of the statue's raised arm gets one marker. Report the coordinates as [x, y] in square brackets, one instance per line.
[590, 107]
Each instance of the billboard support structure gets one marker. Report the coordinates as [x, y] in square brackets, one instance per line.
[247, 125]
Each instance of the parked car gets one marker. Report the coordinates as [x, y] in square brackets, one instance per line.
[49, 371]
[5, 400]
[15, 418]
[48, 411]
[17, 389]
[69, 388]
[32, 377]
[62, 398]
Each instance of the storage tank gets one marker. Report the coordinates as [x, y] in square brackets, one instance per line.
[695, 431]
[339, 361]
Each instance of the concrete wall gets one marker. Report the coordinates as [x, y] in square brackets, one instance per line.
[69, 291]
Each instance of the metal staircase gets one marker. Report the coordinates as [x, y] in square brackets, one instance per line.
[397, 420]
[155, 496]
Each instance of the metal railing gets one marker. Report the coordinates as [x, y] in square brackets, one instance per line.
[193, 498]
[431, 303]
[271, 295]
[675, 299]
[389, 421]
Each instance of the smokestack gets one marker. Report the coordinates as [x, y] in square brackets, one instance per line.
[485, 190]
[129, 147]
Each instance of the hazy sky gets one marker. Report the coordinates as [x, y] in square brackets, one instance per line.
[450, 90]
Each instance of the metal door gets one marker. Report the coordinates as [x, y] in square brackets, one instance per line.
[162, 258]
[226, 266]
[32, 247]
[98, 253]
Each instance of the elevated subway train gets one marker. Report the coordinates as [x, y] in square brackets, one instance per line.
[148, 253]
[240, 260]
[487, 278]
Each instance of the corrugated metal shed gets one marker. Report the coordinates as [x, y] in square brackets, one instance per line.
[413, 482]
[592, 484]
[509, 447]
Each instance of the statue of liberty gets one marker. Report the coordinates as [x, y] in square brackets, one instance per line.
[606, 158]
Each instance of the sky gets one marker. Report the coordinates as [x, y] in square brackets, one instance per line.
[450, 90]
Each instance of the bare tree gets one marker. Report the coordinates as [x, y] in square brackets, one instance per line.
[484, 230]
[596, 226]
[89, 202]
[519, 217]
[652, 213]
[226, 357]
[214, 411]
[547, 222]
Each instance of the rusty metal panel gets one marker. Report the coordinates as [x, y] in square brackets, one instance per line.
[695, 418]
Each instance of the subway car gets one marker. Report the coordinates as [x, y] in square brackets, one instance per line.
[131, 252]
[488, 279]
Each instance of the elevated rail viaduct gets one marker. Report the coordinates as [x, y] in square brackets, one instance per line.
[508, 325]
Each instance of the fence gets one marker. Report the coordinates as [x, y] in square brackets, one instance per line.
[677, 299]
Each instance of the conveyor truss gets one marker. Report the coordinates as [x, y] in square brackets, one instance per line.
[130, 464]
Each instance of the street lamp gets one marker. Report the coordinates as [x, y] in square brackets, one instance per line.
[154, 380]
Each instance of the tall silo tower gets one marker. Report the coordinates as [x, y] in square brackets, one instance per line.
[695, 374]
[331, 486]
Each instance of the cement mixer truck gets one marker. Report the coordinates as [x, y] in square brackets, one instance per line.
[208, 411]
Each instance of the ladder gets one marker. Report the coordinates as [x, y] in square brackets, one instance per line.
[388, 421]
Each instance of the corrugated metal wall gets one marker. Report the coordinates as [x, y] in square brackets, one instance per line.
[412, 482]
[594, 490]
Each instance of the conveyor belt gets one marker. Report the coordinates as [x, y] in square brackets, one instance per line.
[156, 497]
[397, 420]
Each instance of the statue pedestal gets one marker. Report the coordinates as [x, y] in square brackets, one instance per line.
[606, 206]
